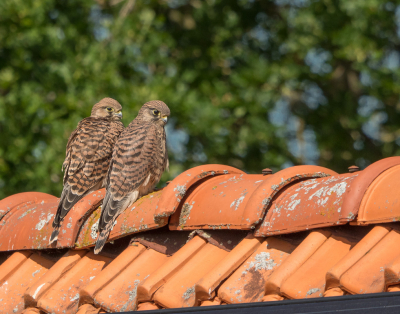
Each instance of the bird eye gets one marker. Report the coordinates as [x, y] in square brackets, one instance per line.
[109, 109]
[156, 112]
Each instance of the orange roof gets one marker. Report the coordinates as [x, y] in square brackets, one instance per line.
[294, 234]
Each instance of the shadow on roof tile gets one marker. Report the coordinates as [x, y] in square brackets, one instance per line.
[63, 295]
[291, 264]
[120, 294]
[308, 281]
[356, 253]
[179, 291]
[108, 274]
[12, 290]
[247, 282]
[367, 275]
[39, 288]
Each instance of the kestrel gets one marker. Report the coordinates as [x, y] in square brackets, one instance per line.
[88, 156]
[139, 159]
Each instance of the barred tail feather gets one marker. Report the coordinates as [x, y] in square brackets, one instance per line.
[54, 234]
[101, 240]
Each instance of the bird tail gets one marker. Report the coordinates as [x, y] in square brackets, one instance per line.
[101, 240]
[54, 234]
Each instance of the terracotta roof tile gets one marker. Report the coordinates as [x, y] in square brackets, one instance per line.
[241, 199]
[358, 251]
[168, 267]
[380, 200]
[122, 261]
[243, 286]
[38, 288]
[17, 201]
[368, 274]
[310, 204]
[178, 188]
[308, 281]
[138, 217]
[12, 290]
[179, 291]
[63, 295]
[120, 294]
[76, 217]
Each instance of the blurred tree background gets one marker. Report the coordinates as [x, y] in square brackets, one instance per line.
[251, 84]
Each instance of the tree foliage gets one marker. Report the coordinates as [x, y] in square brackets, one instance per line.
[251, 84]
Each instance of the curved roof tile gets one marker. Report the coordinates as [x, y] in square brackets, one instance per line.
[14, 202]
[136, 218]
[161, 269]
[177, 188]
[364, 180]
[237, 201]
[381, 200]
[28, 226]
[310, 204]
[77, 216]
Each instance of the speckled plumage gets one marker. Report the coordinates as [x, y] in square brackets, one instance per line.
[139, 159]
[88, 156]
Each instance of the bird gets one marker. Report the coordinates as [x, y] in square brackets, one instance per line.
[139, 159]
[88, 155]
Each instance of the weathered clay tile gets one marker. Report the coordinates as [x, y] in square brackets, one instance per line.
[212, 302]
[37, 290]
[162, 240]
[206, 286]
[27, 199]
[77, 216]
[247, 283]
[392, 274]
[12, 264]
[367, 275]
[364, 180]
[138, 217]
[12, 290]
[118, 265]
[88, 309]
[28, 226]
[309, 280]
[63, 296]
[309, 204]
[356, 253]
[292, 263]
[179, 291]
[156, 279]
[147, 306]
[381, 199]
[241, 199]
[176, 190]
[32, 310]
[120, 294]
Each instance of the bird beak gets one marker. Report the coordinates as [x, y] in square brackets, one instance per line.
[165, 119]
[119, 114]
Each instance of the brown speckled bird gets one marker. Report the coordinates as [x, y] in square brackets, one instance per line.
[139, 159]
[88, 156]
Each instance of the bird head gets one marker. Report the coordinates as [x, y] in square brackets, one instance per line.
[107, 108]
[155, 111]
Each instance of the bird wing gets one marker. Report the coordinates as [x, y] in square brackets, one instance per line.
[134, 160]
[88, 155]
